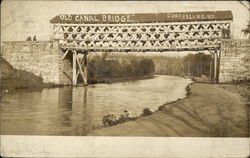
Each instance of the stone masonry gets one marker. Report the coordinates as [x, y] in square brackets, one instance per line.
[42, 58]
[234, 61]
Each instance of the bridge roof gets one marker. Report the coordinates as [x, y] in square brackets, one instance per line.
[142, 17]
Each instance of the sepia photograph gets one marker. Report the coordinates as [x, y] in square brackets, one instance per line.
[124, 71]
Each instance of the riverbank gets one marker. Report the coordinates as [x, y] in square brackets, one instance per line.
[210, 111]
[12, 78]
[123, 79]
[242, 88]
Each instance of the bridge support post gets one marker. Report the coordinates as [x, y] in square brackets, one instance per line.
[85, 68]
[74, 78]
[79, 67]
[210, 69]
[215, 66]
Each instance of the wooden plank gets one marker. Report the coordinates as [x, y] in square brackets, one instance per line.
[77, 74]
[215, 65]
[64, 55]
[143, 17]
[85, 64]
[231, 30]
[74, 78]
[126, 40]
[141, 32]
[189, 74]
[149, 24]
[210, 69]
[144, 48]
[82, 61]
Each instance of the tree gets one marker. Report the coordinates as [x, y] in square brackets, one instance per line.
[34, 38]
[29, 39]
[197, 64]
[246, 30]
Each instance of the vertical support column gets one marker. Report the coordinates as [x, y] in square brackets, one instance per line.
[210, 69]
[85, 67]
[218, 64]
[51, 32]
[231, 30]
[189, 74]
[74, 78]
[215, 65]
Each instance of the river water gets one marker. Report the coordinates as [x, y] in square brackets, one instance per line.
[76, 110]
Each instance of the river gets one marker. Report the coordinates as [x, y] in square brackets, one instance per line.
[77, 110]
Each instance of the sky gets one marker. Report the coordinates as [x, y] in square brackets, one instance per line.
[20, 19]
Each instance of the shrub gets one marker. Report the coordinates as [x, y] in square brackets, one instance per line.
[123, 117]
[146, 112]
[111, 120]
[188, 90]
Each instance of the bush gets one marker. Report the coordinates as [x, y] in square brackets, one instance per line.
[146, 112]
[124, 117]
[111, 120]
[188, 90]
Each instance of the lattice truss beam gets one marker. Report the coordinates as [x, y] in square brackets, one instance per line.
[143, 36]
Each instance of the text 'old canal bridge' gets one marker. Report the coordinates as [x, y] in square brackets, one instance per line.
[80, 34]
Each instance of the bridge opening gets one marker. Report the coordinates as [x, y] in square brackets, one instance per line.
[79, 35]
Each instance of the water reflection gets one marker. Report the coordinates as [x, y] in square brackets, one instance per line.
[76, 110]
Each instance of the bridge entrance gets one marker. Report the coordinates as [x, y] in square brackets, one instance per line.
[79, 35]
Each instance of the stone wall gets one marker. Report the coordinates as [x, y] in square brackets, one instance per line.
[43, 58]
[235, 60]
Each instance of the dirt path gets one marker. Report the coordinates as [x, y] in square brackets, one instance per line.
[209, 111]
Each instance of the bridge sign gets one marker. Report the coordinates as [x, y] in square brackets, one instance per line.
[142, 17]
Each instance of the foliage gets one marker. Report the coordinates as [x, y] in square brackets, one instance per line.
[166, 65]
[188, 89]
[115, 65]
[111, 120]
[146, 112]
[246, 30]
[197, 64]
[100, 67]
[192, 64]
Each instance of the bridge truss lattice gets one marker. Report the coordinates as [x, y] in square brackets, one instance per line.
[147, 36]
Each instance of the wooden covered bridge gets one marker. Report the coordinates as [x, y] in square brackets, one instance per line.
[181, 31]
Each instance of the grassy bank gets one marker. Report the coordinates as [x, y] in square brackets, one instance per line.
[242, 88]
[11, 78]
[215, 112]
